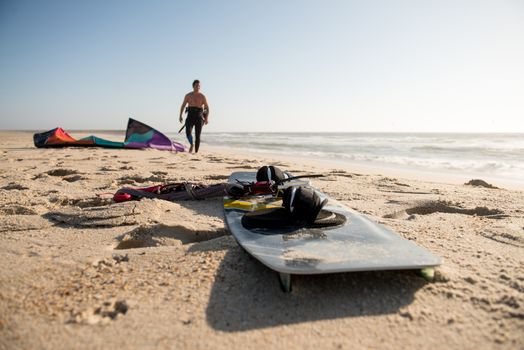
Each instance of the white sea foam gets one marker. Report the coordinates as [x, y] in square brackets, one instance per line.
[483, 154]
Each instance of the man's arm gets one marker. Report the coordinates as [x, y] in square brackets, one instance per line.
[182, 108]
[206, 107]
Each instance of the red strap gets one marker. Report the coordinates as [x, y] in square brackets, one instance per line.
[122, 197]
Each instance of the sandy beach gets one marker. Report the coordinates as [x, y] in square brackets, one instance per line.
[79, 271]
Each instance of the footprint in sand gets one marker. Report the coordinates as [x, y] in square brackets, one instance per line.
[94, 305]
[40, 176]
[61, 172]
[216, 159]
[480, 183]
[327, 178]
[74, 178]
[101, 314]
[128, 180]
[11, 223]
[17, 210]
[163, 235]
[279, 164]
[14, 186]
[124, 214]
[504, 235]
[392, 185]
[216, 177]
[81, 202]
[339, 172]
[431, 207]
[242, 166]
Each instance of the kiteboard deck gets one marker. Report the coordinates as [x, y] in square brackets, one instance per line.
[357, 245]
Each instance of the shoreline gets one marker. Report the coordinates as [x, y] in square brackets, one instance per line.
[388, 170]
[391, 170]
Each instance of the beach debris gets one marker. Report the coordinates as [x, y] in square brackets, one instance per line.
[480, 183]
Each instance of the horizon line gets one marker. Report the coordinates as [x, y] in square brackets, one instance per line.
[284, 132]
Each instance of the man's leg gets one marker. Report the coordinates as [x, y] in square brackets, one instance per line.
[189, 131]
[198, 131]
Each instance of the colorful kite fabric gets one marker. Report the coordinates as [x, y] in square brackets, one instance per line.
[138, 135]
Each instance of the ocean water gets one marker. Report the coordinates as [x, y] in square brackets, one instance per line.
[491, 155]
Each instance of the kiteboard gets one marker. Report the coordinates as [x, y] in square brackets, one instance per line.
[359, 244]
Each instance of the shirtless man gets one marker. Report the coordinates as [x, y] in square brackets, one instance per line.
[197, 114]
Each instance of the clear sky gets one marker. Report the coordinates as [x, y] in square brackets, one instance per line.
[276, 65]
